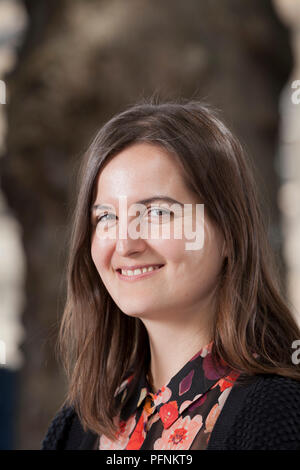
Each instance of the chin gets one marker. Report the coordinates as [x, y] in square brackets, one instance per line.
[132, 314]
[137, 311]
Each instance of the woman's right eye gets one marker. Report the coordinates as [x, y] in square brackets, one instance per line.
[101, 217]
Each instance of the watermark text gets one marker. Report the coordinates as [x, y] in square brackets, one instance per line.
[164, 221]
[296, 354]
[2, 92]
[2, 352]
[296, 94]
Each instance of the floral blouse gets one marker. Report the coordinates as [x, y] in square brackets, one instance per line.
[180, 416]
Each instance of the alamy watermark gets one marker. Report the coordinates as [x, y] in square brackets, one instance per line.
[2, 92]
[296, 354]
[2, 352]
[296, 94]
[173, 216]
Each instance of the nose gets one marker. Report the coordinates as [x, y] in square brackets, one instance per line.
[128, 244]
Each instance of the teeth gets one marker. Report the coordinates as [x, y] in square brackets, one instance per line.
[129, 272]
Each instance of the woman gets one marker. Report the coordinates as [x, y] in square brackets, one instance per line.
[171, 343]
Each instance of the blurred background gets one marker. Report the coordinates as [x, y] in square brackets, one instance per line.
[66, 66]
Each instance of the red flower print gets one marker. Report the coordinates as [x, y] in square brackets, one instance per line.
[228, 381]
[162, 396]
[138, 436]
[180, 435]
[168, 413]
[121, 436]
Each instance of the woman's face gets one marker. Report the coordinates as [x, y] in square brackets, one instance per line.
[186, 282]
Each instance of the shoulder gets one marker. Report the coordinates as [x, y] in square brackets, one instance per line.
[274, 392]
[269, 415]
[65, 431]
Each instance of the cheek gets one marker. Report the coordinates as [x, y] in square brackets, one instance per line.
[172, 250]
[101, 253]
[206, 263]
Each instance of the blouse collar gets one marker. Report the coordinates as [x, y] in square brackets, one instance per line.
[188, 386]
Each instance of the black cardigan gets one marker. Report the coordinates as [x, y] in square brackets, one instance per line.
[262, 415]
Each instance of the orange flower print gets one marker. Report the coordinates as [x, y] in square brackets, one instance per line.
[122, 435]
[169, 413]
[212, 417]
[180, 435]
[147, 406]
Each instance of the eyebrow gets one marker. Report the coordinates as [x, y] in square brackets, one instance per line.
[148, 200]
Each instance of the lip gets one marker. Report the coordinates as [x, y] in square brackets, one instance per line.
[139, 276]
[139, 266]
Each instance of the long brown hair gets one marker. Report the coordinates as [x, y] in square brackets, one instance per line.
[254, 328]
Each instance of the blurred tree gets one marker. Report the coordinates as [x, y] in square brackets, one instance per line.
[83, 61]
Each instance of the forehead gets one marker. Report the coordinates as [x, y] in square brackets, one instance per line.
[141, 170]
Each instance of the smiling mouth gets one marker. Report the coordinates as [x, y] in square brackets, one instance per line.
[134, 277]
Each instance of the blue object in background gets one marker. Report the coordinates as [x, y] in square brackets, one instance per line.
[8, 408]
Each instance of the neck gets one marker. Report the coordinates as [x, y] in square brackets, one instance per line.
[168, 357]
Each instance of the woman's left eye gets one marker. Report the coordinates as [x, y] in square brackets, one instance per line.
[159, 209]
